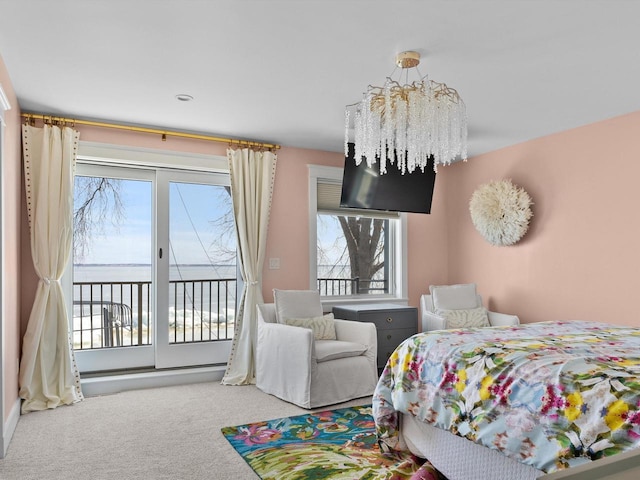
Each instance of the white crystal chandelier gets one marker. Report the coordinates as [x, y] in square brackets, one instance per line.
[416, 120]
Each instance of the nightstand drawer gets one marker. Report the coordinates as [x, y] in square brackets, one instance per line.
[390, 319]
[390, 339]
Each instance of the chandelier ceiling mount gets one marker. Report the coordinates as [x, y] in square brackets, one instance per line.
[408, 59]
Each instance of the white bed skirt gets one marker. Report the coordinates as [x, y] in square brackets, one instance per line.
[458, 458]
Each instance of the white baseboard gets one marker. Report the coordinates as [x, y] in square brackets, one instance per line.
[105, 385]
[10, 427]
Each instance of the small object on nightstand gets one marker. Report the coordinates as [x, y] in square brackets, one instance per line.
[394, 324]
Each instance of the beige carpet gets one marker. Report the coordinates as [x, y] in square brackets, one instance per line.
[161, 433]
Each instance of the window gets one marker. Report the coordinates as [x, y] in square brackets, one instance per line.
[353, 252]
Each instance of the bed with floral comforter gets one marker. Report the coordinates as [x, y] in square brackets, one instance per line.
[550, 395]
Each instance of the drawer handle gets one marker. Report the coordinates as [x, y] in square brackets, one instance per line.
[389, 320]
[389, 337]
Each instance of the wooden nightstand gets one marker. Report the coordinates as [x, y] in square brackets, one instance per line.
[394, 324]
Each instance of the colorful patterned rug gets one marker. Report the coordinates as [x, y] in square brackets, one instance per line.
[335, 444]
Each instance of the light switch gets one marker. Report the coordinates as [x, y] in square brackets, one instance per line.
[274, 264]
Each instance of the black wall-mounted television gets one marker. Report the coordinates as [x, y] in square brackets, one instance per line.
[363, 187]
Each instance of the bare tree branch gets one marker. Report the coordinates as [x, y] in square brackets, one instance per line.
[225, 229]
[96, 201]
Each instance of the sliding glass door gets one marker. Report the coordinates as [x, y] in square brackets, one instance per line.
[154, 268]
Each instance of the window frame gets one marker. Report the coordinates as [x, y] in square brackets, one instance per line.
[398, 235]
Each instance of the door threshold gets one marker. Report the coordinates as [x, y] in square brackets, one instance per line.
[107, 383]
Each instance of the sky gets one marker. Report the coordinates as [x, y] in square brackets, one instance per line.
[193, 210]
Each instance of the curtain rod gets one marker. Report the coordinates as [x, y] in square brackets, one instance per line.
[163, 133]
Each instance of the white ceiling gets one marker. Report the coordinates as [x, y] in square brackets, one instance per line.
[283, 71]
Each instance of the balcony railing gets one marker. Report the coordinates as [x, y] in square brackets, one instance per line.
[202, 310]
[118, 314]
[111, 314]
[351, 286]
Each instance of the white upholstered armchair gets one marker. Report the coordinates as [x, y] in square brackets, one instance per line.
[295, 366]
[456, 306]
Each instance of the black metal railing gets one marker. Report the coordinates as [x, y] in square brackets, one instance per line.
[351, 286]
[111, 314]
[119, 314]
[202, 310]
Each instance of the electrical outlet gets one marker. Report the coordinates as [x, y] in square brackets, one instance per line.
[274, 264]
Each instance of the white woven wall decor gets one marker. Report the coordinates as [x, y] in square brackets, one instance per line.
[500, 211]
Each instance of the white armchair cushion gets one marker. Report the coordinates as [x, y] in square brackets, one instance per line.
[454, 297]
[323, 327]
[332, 349]
[297, 304]
[464, 318]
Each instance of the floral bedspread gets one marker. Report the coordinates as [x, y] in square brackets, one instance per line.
[550, 395]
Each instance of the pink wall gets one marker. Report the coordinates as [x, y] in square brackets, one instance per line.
[427, 246]
[580, 258]
[12, 215]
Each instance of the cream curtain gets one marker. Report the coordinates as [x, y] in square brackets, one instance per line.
[252, 176]
[48, 374]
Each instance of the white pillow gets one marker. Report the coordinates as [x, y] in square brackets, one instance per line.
[297, 304]
[323, 327]
[454, 297]
[464, 318]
